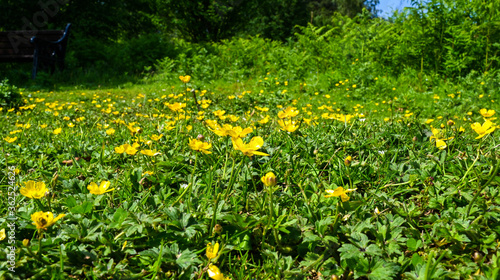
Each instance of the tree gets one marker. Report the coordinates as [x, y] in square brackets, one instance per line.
[202, 20]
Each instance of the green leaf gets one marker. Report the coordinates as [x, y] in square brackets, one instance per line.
[118, 218]
[70, 202]
[187, 258]
[83, 208]
[383, 271]
[373, 250]
[349, 251]
[413, 244]
[416, 259]
[309, 259]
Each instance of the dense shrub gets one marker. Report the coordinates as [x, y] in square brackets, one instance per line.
[9, 95]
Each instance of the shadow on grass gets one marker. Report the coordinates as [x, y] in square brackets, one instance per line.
[19, 74]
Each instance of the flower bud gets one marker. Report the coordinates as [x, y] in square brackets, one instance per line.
[26, 242]
[348, 160]
[218, 229]
[477, 256]
[200, 137]
[269, 180]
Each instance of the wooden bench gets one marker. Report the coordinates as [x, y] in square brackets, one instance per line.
[45, 48]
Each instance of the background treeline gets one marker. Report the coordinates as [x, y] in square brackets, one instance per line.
[214, 39]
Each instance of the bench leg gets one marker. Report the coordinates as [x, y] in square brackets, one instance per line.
[35, 64]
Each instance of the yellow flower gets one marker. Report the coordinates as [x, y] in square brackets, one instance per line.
[200, 146]
[57, 131]
[264, 120]
[288, 125]
[120, 149]
[34, 189]
[439, 138]
[212, 250]
[43, 220]
[269, 179]
[262, 109]
[251, 148]
[219, 113]
[2, 234]
[233, 118]
[150, 153]
[214, 272]
[486, 113]
[134, 129]
[10, 139]
[131, 149]
[185, 79]
[155, 137]
[110, 131]
[339, 192]
[176, 107]
[484, 129]
[289, 112]
[43, 126]
[126, 148]
[222, 130]
[103, 188]
[212, 124]
[238, 132]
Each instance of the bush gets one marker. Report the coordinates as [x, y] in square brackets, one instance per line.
[9, 95]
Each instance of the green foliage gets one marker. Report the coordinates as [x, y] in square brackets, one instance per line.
[9, 95]
[128, 56]
[447, 38]
[203, 20]
[276, 19]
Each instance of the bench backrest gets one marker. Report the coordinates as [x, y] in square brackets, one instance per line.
[15, 46]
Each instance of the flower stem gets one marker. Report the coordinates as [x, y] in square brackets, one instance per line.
[40, 236]
[192, 181]
[473, 163]
[481, 188]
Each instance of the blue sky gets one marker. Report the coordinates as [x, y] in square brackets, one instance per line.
[388, 5]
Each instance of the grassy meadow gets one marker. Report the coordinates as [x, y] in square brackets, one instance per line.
[291, 179]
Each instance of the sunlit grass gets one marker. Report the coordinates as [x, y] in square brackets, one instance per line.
[375, 180]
